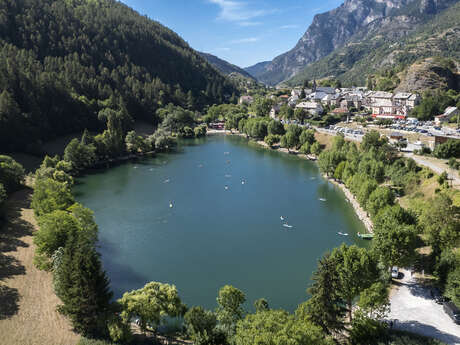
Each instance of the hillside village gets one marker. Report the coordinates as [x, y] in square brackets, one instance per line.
[359, 104]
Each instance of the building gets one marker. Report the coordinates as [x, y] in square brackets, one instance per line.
[340, 111]
[448, 114]
[326, 90]
[407, 99]
[331, 100]
[274, 111]
[312, 108]
[246, 100]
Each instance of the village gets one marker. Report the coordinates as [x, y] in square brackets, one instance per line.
[357, 108]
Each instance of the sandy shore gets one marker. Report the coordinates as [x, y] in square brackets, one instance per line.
[360, 212]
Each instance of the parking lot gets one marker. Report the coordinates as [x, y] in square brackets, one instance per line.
[414, 310]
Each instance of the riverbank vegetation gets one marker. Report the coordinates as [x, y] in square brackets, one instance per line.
[378, 177]
[94, 58]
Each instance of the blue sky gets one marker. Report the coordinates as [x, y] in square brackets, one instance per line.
[242, 32]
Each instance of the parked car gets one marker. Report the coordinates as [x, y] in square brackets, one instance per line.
[452, 310]
[394, 272]
[437, 296]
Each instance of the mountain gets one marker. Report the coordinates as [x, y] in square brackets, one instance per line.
[225, 67]
[334, 29]
[62, 62]
[398, 49]
[257, 69]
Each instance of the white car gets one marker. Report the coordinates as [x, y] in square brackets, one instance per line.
[394, 272]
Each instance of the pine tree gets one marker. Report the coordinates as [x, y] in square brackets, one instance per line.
[84, 286]
[325, 308]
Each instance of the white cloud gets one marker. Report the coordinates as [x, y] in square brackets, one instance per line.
[239, 12]
[249, 23]
[286, 27]
[245, 40]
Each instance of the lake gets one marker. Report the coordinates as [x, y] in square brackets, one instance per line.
[209, 215]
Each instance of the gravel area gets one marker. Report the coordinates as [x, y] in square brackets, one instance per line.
[414, 310]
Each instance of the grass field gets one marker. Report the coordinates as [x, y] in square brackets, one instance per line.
[28, 313]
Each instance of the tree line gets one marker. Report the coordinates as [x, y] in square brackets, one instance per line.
[61, 62]
[66, 246]
[376, 175]
[12, 176]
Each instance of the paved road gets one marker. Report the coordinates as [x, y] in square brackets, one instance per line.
[437, 168]
[415, 311]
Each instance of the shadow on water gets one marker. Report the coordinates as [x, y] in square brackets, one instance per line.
[118, 271]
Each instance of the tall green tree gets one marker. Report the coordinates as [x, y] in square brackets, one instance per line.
[50, 195]
[356, 270]
[440, 222]
[229, 310]
[12, 173]
[201, 326]
[151, 304]
[395, 240]
[326, 307]
[85, 291]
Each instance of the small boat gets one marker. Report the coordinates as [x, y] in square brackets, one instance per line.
[281, 217]
[170, 204]
[167, 180]
[342, 233]
[243, 182]
[226, 187]
[366, 236]
[322, 199]
[286, 225]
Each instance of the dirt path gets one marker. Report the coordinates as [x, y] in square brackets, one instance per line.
[28, 313]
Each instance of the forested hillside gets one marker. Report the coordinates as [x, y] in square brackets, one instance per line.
[389, 46]
[62, 62]
[224, 66]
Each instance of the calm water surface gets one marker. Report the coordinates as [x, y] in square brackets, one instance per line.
[224, 226]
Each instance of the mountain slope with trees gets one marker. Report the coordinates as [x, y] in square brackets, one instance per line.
[347, 25]
[225, 67]
[62, 62]
[389, 47]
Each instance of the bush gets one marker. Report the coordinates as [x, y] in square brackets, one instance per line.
[451, 148]
[12, 174]
[272, 139]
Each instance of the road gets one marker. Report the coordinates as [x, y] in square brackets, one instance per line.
[438, 167]
[415, 311]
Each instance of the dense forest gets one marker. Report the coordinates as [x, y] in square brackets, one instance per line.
[63, 62]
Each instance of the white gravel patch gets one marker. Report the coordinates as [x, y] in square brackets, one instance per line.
[415, 311]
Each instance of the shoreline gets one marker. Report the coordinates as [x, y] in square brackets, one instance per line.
[359, 211]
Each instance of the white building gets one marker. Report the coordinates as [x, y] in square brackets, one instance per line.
[448, 114]
[311, 107]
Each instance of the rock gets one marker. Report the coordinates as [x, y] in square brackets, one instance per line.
[429, 74]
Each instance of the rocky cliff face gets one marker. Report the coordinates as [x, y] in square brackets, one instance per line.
[429, 74]
[334, 29]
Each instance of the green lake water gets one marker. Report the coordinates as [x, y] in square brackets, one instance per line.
[220, 230]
